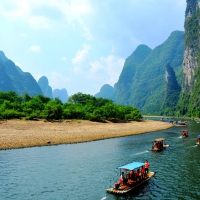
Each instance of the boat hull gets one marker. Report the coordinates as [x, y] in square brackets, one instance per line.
[156, 149]
[128, 188]
[180, 124]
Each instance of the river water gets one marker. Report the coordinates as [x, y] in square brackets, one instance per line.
[84, 171]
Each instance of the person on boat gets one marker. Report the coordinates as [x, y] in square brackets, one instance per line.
[155, 145]
[121, 179]
[131, 175]
[146, 167]
[142, 171]
[137, 175]
[140, 174]
[159, 145]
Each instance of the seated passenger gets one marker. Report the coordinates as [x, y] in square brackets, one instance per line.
[155, 145]
[137, 175]
[131, 174]
[159, 145]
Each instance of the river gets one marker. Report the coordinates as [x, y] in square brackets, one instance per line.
[84, 171]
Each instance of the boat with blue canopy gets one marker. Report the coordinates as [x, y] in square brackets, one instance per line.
[132, 176]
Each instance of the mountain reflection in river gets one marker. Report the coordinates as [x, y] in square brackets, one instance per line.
[86, 170]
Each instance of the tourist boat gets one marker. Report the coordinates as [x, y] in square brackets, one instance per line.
[184, 133]
[123, 188]
[180, 123]
[198, 140]
[158, 144]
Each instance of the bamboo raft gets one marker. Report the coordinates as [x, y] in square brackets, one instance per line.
[127, 188]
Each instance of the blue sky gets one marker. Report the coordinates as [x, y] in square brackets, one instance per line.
[81, 45]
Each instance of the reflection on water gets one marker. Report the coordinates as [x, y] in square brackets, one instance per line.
[84, 171]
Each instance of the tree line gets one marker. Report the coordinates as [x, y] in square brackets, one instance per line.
[78, 106]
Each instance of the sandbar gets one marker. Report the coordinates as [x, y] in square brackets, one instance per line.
[21, 133]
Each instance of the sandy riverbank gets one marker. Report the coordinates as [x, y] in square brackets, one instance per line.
[21, 134]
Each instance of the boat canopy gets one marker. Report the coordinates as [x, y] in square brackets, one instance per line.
[132, 166]
[158, 140]
[198, 136]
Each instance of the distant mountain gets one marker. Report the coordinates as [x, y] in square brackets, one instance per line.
[147, 89]
[123, 88]
[61, 94]
[147, 85]
[142, 81]
[106, 92]
[44, 85]
[13, 78]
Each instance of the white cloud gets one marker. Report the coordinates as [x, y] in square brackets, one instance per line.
[45, 14]
[80, 61]
[37, 22]
[14, 9]
[107, 70]
[58, 80]
[63, 58]
[34, 49]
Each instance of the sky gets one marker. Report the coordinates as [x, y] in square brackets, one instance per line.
[80, 45]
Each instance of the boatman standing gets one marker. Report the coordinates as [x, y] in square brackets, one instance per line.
[146, 166]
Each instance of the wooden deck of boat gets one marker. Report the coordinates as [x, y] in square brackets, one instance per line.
[127, 188]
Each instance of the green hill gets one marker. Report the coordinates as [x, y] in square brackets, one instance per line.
[106, 92]
[123, 88]
[142, 80]
[13, 78]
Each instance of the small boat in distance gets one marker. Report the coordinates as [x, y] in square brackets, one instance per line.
[198, 140]
[130, 181]
[180, 123]
[184, 133]
[158, 144]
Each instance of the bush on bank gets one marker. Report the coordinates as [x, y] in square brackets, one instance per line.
[79, 106]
